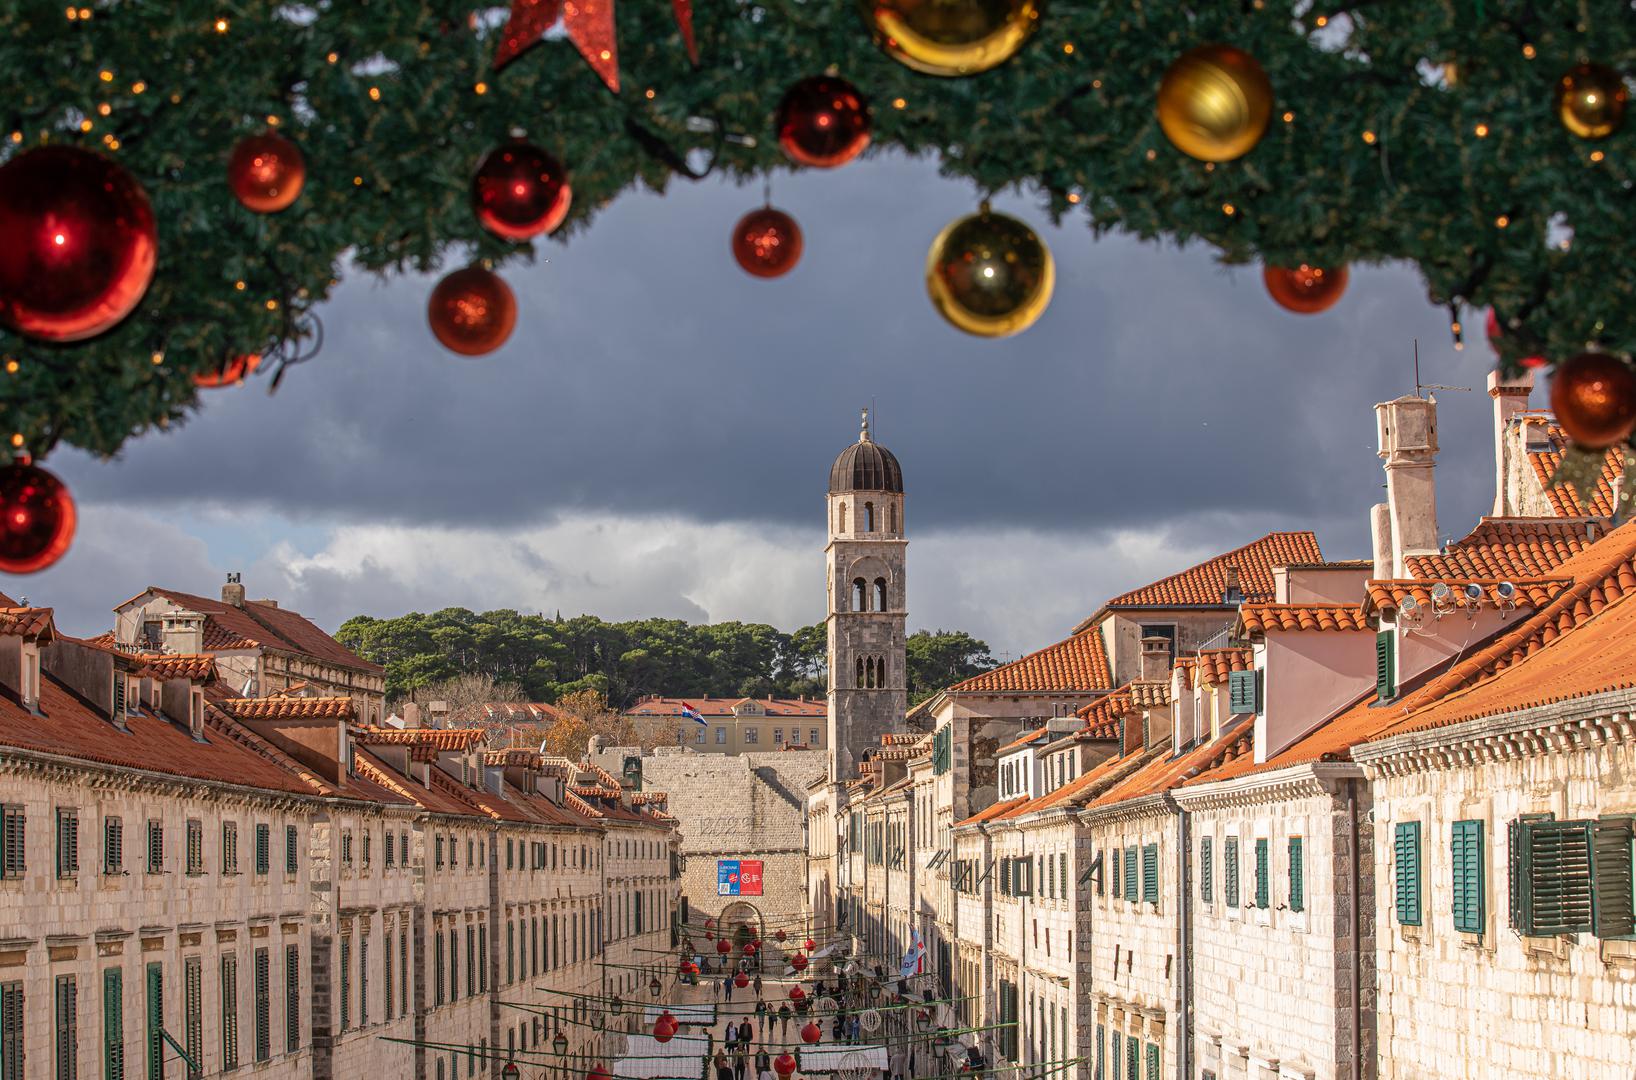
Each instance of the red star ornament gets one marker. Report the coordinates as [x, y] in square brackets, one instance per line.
[590, 26]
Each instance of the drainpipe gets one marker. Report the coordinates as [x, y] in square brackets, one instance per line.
[1352, 930]
[1184, 942]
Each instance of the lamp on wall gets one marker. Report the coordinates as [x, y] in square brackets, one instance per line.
[559, 1043]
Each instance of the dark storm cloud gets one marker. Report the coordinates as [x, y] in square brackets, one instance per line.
[648, 375]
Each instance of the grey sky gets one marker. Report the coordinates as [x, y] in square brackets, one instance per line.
[656, 436]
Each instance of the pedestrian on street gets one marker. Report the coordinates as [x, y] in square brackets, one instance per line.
[746, 1034]
[837, 1027]
[854, 1028]
[727, 987]
[761, 1017]
[764, 1066]
[718, 990]
[784, 1022]
[757, 984]
[741, 1061]
[724, 1068]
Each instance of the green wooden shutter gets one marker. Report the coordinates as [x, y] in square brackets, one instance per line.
[1133, 1057]
[1150, 874]
[1229, 884]
[113, 1026]
[292, 997]
[1466, 859]
[1244, 692]
[193, 1013]
[262, 979]
[346, 983]
[1297, 875]
[11, 1031]
[1406, 846]
[1152, 1061]
[1552, 888]
[67, 1027]
[1385, 665]
[1612, 866]
[264, 849]
[13, 832]
[1101, 1057]
[1263, 873]
[1130, 873]
[1206, 868]
[156, 1021]
[230, 1012]
[1118, 882]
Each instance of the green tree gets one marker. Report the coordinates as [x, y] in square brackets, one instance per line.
[941, 658]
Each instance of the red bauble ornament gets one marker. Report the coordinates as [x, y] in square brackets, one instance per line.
[472, 311]
[749, 948]
[266, 173]
[1305, 289]
[710, 922]
[708, 936]
[1495, 333]
[520, 191]
[1594, 398]
[741, 980]
[784, 1064]
[724, 946]
[779, 935]
[809, 945]
[797, 994]
[598, 1073]
[823, 122]
[230, 373]
[811, 1032]
[36, 518]
[767, 244]
[77, 243]
[799, 962]
[664, 1028]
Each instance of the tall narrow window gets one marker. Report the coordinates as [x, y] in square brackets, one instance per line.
[264, 1005]
[386, 972]
[1406, 847]
[11, 1030]
[840, 524]
[195, 846]
[156, 1021]
[113, 845]
[859, 681]
[437, 968]
[403, 966]
[1467, 864]
[860, 595]
[1263, 873]
[1229, 869]
[156, 846]
[1297, 875]
[67, 1028]
[290, 852]
[68, 842]
[346, 983]
[13, 829]
[868, 517]
[230, 847]
[113, 1026]
[892, 518]
[292, 998]
[363, 980]
[230, 1012]
[880, 594]
[193, 1013]
[264, 852]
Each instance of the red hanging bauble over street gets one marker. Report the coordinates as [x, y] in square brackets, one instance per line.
[784, 1064]
[472, 311]
[709, 936]
[520, 191]
[266, 172]
[823, 122]
[36, 518]
[231, 373]
[710, 922]
[664, 1028]
[77, 243]
[724, 946]
[749, 948]
[598, 1073]
[741, 980]
[1594, 398]
[797, 994]
[811, 1032]
[1305, 289]
[799, 961]
[779, 935]
[809, 945]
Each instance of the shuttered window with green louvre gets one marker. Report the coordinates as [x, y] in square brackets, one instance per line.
[1118, 882]
[1466, 863]
[292, 998]
[1207, 869]
[113, 1026]
[1244, 692]
[290, 849]
[230, 1012]
[1385, 665]
[193, 1012]
[1152, 1061]
[346, 983]
[1263, 873]
[264, 849]
[1150, 874]
[1133, 1057]
[11, 1031]
[262, 981]
[1297, 875]
[1570, 877]
[1406, 848]
[13, 831]
[156, 1021]
[1614, 867]
[1130, 873]
[1229, 870]
[67, 1027]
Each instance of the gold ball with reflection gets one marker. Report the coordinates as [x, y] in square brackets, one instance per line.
[1590, 101]
[1214, 103]
[989, 274]
[951, 37]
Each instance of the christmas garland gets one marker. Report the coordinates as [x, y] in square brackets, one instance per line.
[1421, 132]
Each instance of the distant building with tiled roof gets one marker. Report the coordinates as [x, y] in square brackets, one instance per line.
[741, 725]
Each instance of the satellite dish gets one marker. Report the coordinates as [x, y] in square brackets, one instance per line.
[1473, 591]
[1506, 590]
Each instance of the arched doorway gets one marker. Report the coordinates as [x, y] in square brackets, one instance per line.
[741, 923]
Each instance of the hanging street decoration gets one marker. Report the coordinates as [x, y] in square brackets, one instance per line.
[1305, 289]
[520, 192]
[266, 173]
[472, 311]
[78, 243]
[37, 518]
[951, 37]
[989, 274]
[823, 122]
[1594, 398]
[1591, 100]
[1214, 103]
[589, 25]
[232, 372]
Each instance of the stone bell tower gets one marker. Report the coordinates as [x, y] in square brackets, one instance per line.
[868, 602]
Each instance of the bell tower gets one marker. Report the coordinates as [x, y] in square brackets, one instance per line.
[868, 601]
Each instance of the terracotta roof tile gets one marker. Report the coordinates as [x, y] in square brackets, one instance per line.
[1204, 585]
[1150, 695]
[1563, 499]
[515, 756]
[197, 667]
[710, 706]
[1389, 595]
[28, 622]
[1104, 715]
[1236, 742]
[1216, 664]
[279, 708]
[1078, 664]
[1505, 548]
[439, 739]
[991, 812]
[1189, 667]
[1260, 618]
[1031, 735]
[230, 627]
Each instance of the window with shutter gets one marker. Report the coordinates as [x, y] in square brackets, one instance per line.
[11, 1031]
[1118, 882]
[195, 847]
[1152, 1061]
[1406, 848]
[1297, 875]
[346, 983]
[13, 830]
[1385, 665]
[1062, 875]
[1244, 692]
[1133, 1057]
[1466, 866]
[403, 966]
[262, 976]
[437, 968]
[1612, 865]
[292, 998]
[1130, 873]
[68, 842]
[1229, 882]
[1207, 869]
[113, 845]
[290, 849]
[230, 847]
[1150, 874]
[156, 847]
[363, 980]
[1101, 1057]
[156, 1021]
[1263, 873]
[230, 1012]
[113, 1026]
[66, 1008]
[193, 1013]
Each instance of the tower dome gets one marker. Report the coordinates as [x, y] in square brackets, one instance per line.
[866, 466]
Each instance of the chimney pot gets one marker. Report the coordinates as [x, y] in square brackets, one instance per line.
[233, 591]
[1155, 659]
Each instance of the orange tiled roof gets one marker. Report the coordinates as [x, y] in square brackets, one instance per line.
[1150, 695]
[1236, 743]
[1216, 664]
[286, 708]
[28, 622]
[198, 667]
[1563, 499]
[1505, 548]
[513, 755]
[1203, 585]
[996, 810]
[1389, 595]
[1188, 666]
[723, 707]
[230, 627]
[1102, 717]
[1078, 664]
[440, 739]
[1023, 740]
[1260, 618]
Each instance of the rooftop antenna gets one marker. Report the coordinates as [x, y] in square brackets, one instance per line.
[1419, 386]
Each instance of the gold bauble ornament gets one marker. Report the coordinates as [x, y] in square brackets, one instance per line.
[951, 37]
[989, 274]
[1214, 103]
[1590, 101]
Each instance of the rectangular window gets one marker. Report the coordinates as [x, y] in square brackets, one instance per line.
[363, 980]
[1152, 1061]
[387, 850]
[403, 847]
[264, 849]
[230, 847]
[1263, 873]
[454, 965]
[346, 847]
[403, 966]
[156, 1021]
[1406, 848]
[721, 735]
[1133, 1057]
[438, 851]
[1101, 1039]
[156, 846]
[113, 1026]
[1118, 882]
[68, 842]
[1062, 875]
[113, 845]
[193, 1012]
[1207, 869]
[367, 837]
[262, 976]
[195, 846]
[1150, 874]
[778, 735]
[1466, 863]
[346, 983]
[1244, 692]
[386, 971]
[437, 968]
[1385, 665]
[292, 998]
[1229, 870]
[471, 960]
[13, 830]
[1572, 877]
[1297, 876]
[230, 1012]
[66, 1028]
[11, 1031]
[1131, 872]
[290, 849]
[813, 737]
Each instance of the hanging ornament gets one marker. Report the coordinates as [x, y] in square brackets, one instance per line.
[520, 191]
[809, 945]
[749, 948]
[472, 311]
[1305, 289]
[951, 37]
[231, 373]
[589, 24]
[710, 922]
[989, 274]
[724, 946]
[797, 994]
[598, 1073]
[1590, 101]
[266, 172]
[799, 962]
[1214, 103]
[1594, 398]
[741, 980]
[708, 936]
[779, 935]
[811, 1033]
[36, 518]
[823, 122]
[77, 243]
[664, 1028]
[784, 1064]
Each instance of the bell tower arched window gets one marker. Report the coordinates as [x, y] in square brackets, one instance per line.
[868, 517]
[892, 518]
[858, 681]
[880, 594]
[860, 595]
[840, 515]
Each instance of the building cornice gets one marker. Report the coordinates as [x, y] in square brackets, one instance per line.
[1309, 780]
[98, 775]
[1158, 804]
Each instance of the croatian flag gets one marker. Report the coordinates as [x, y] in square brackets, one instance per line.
[691, 713]
[914, 959]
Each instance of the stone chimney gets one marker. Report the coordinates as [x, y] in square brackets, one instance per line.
[411, 715]
[1408, 445]
[1230, 591]
[1155, 659]
[233, 591]
[1510, 398]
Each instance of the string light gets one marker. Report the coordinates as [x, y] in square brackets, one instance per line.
[17, 136]
[1529, 52]
[1073, 196]
[1096, 84]
[1369, 137]
[1502, 221]
[649, 94]
[272, 305]
[138, 87]
[1481, 131]
[332, 57]
[272, 121]
[221, 26]
[1068, 48]
[1321, 21]
[86, 125]
[1289, 118]
[104, 109]
[17, 439]
[899, 103]
[374, 93]
[1229, 209]
[239, 285]
[105, 75]
[1152, 154]
[1596, 155]
[157, 357]
[12, 365]
[73, 13]
[85, 13]
[482, 88]
[357, 181]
